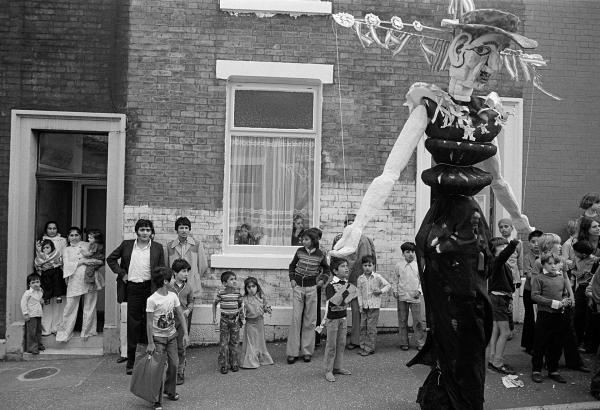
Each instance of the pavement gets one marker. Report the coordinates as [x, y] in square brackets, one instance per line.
[379, 381]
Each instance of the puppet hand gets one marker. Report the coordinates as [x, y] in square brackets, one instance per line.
[522, 224]
[348, 242]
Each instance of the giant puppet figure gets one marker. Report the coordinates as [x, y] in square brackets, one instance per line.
[452, 242]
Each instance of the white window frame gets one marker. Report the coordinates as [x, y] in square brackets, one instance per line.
[271, 7]
[271, 77]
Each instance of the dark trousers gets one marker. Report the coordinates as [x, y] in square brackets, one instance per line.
[180, 348]
[528, 321]
[33, 334]
[581, 313]
[137, 294]
[229, 338]
[168, 344]
[550, 329]
[595, 384]
[572, 357]
[317, 334]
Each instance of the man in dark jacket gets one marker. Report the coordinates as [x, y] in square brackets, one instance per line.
[138, 258]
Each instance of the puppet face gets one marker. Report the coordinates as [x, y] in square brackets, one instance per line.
[473, 60]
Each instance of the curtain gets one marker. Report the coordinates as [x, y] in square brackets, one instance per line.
[272, 180]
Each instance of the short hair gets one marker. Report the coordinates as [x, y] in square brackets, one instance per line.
[226, 275]
[318, 232]
[48, 242]
[546, 256]
[583, 247]
[97, 234]
[368, 259]
[313, 235]
[160, 274]
[534, 234]
[180, 264]
[182, 220]
[31, 277]
[547, 241]
[144, 223]
[335, 263]
[506, 221]
[497, 241]
[408, 246]
[589, 199]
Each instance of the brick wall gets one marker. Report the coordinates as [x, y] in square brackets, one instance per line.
[563, 144]
[60, 56]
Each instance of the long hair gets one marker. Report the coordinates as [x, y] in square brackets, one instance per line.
[584, 228]
[252, 280]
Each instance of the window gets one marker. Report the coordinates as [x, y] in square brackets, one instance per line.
[272, 162]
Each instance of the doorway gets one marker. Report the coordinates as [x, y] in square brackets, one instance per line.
[71, 189]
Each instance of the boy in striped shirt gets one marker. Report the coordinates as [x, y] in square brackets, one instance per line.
[230, 301]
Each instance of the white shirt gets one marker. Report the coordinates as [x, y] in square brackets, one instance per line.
[163, 313]
[407, 281]
[139, 265]
[366, 286]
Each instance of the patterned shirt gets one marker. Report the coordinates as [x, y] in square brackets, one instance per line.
[162, 308]
[308, 263]
[230, 301]
[366, 286]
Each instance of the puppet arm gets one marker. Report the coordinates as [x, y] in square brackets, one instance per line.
[504, 194]
[381, 187]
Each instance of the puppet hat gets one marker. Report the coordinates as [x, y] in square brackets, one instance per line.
[495, 21]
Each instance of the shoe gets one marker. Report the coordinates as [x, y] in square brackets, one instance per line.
[367, 353]
[41, 347]
[504, 369]
[158, 406]
[351, 346]
[129, 371]
[419, 348]
[59, 300]
[34, 352]
[291, 359]
[173, 397]
[121, 360]
[235, 368]
[345, 372]
[329, 377]
[557, 378]
[404, 347]
[596, 395]
[307, 358]
[537, 377]
[180, 379]
[224, 370]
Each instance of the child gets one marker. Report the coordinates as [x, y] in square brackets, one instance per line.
[370, 287]
[549, 291]
[501, 288]
[230, 301]
[31, 307]
[48, 264]
[529, 270]
[339, 293]
[254, 306]
[585, 266]
[408, 294]
[515, 262]
[308, 270]
[185, 293]
[162, 307]
[95, 251]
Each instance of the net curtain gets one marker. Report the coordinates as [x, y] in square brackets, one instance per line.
[271, 181]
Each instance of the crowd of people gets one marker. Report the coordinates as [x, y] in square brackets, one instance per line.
[561, 297]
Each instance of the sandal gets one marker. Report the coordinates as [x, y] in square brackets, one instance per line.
[504, 369]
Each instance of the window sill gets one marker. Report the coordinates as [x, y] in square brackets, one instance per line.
[271, 7]
[250, 261]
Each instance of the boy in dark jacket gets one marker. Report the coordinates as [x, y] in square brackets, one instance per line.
[500, 288]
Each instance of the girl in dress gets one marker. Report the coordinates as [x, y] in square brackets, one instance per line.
[254, 306]
[48, 264]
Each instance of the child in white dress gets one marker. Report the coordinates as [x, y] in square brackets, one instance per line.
[254, 306]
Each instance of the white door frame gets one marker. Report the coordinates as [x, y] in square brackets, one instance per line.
[22, 200]
[511, 157]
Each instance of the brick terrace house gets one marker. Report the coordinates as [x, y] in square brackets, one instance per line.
[231, 112]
